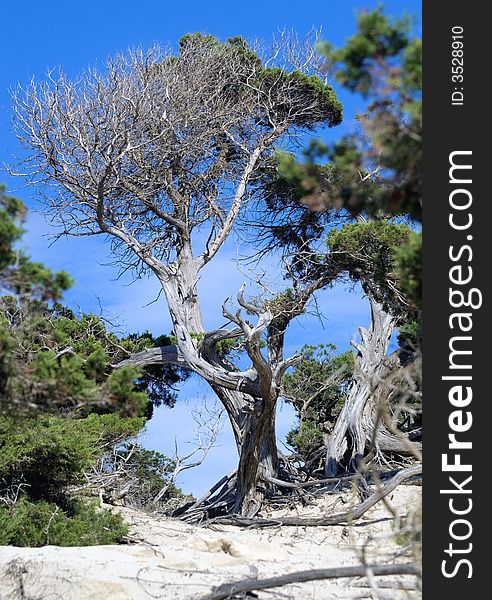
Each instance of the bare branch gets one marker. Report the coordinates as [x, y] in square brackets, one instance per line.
[327, 520]
[228, 590]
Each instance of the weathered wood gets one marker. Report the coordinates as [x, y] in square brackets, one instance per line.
[336, 519]
[212, 490]
[328, 480]
[359, 426]
[229, 590]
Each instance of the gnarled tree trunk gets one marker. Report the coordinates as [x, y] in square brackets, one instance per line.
[360, 425]
[250, 401]
[254, 431]
[258, 457]
[249, 397]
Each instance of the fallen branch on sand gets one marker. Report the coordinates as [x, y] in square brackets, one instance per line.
[336, 519]
[228, 590]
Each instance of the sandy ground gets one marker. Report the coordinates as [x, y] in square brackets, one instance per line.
[169, 559]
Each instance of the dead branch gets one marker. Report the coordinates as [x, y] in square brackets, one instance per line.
[208, 427]
[228, 590]
[345, 517]
[311, 482]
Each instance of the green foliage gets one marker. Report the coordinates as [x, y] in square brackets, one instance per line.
[374, 239]
[36, 524]
[120, 388]
[377, 39]
[40, 458]
[306, 438]
[283, 88]
[408, 263]
[50, 452]
[316, 387]
[367, 251]
[304, 88]
[304, 176]
[409, 334]
[12, 213]
[18, 274]
[282, 303]
[223, 347]
[53, 358]
[204, 40]
[157, 381]
[236, 46]
[412, 67]
[379, 171]
[383, 62]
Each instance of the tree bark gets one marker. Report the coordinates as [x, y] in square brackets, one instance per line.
[359, 425]
[252, 415]
[258, 457]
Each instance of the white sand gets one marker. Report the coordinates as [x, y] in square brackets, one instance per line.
[174, 560]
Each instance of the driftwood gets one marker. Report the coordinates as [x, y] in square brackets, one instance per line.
[229, 590]
[336, 519]
[213, 489]
[361, 425]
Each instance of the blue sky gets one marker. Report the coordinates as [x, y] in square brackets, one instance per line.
[36, 36]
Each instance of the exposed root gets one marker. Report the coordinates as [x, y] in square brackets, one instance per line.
[216, 505]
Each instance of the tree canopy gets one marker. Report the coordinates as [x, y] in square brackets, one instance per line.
[167, 154]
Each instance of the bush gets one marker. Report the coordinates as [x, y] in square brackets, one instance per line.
[306, 438]
[41, 523]
[62, 404]
[51, 452]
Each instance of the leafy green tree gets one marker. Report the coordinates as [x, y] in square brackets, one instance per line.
[381, 169]
[62, 405]
[364, 252]
[48, 453]
[338, 212]
[384, 386]
[164, 173]
[376, 171]
[19, 275]
[316, 387]
[55, 359]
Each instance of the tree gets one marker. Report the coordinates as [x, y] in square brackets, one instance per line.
[376, 170]
[316, 386]
[62, 408]
[160, 153]
[51, 358]
[374, 173]
[364, 252]
[19, 275]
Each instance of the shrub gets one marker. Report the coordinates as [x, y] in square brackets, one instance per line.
[306, 438]
[51, 452]
[40, 523]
